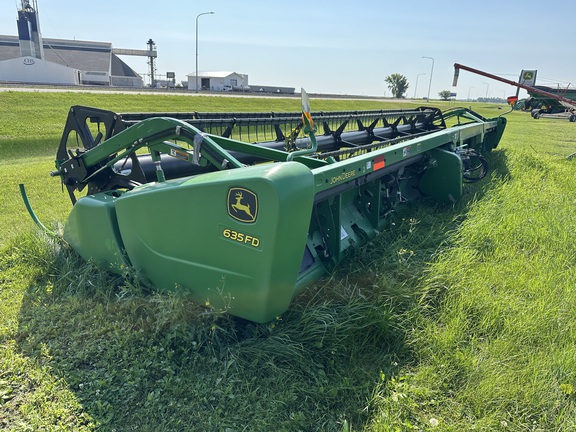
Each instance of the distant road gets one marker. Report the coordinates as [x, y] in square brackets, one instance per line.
[177, 92]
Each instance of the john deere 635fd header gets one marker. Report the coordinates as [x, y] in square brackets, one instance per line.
[239, 208]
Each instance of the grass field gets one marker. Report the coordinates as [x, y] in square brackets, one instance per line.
[459, 317]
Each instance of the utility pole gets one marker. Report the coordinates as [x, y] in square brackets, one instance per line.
[431, 72]
[198, 16]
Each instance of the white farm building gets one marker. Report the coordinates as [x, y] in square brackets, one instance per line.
[230, 81]
[218, 81]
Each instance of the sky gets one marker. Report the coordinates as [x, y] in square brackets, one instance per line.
[332, 46]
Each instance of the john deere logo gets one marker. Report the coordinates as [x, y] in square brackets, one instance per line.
[528, 75]
[242, 205]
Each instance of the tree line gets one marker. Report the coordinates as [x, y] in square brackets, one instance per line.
[398, 85]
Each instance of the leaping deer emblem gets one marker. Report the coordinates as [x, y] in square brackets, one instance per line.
[238, 206]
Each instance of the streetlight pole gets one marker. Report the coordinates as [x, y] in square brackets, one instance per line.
[469, 93]
[416, 86]
[487, 87]
[431, 72]
[198, 16]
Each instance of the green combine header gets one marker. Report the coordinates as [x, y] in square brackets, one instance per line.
[244, 210]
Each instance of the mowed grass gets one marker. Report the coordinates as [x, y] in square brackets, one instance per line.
[456, 318]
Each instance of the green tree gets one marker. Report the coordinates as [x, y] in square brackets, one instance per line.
[398, 84]
[444, 94]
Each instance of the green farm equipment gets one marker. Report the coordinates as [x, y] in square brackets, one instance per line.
[243, 210]
[543, 101]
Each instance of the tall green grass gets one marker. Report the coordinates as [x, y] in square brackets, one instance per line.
[493, 335]
[458, 317]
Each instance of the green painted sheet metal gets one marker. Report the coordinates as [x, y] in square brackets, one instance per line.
[234, 238]
[92, 230]
[443, 180]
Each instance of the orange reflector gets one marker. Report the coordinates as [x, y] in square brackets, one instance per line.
[512, 100]
[379, 163]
